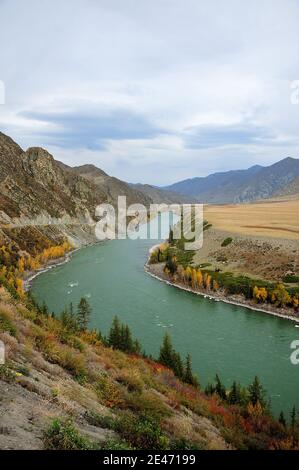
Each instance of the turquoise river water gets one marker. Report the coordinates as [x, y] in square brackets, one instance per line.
[235, 342]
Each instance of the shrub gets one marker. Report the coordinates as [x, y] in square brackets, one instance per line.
[227, 241]
[71, 361]
[131, 379]
[62, 435]
[108, 392]
[102, 421]
[116, 444]
[290, 278]
[24, 370]
[142, 432]
[6, 324]
[7, 374]
[183, 444]
[148, 404]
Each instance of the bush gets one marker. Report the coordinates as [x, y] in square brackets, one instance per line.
[102, 421]
[62, 435]
[7, 374]
[116, 444]
[227, 241]
[142, 432]
[108, 392]
[58, 353]
[148, 404]
[183, 444]
[131, 379]
[6, 324]
[290, 278]
[23, 370]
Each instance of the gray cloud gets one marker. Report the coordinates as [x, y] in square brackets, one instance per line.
[91, 130]
[219, 136]
[152, 91]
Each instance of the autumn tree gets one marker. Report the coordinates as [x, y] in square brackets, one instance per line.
[171, 265]
[199, 278]
[280, 296]
[188, 274]
[260, 294]
[194, 278]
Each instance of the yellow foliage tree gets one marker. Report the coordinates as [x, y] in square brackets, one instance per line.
[194, 278]
[280, 296]
[19, 287]
[199, 278]
[207, 281]
[260, 294]
[188, 274]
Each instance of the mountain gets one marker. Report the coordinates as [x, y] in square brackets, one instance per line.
[112, 187]
[33, 184]
[240, 186]
[162, 196]
[290, 189]
[141, 193]
[44, 201]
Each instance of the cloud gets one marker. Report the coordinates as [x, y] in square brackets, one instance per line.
[152, 91]
[91, 129]
[227, 135]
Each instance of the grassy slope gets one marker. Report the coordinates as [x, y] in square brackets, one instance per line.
[112, 399]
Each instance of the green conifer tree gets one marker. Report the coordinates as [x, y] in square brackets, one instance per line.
[219, 388]
[257, 393]
[114, 337]
[83, 314]
[293, 418]
[166, 352]
[177, 365]
[281, 419]
[188, 376]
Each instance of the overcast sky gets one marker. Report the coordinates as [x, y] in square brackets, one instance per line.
[152, 91]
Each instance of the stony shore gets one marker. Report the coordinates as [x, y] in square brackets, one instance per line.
[157, 272]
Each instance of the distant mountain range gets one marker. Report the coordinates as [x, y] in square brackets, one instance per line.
[35, 186]
[161, 195]
[135, 193]
[257, 182]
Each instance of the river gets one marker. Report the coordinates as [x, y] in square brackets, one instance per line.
[232, 341]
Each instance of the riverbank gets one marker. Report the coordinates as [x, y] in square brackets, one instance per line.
[157, 271]
[30, 275]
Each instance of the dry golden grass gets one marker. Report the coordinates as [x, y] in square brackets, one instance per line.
[271, 218]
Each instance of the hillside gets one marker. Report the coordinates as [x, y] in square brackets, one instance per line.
[240, 186]
[111, 186]
[40, 202]
[43, 200]
[291, 189]
[162, 196]
[63, 388]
